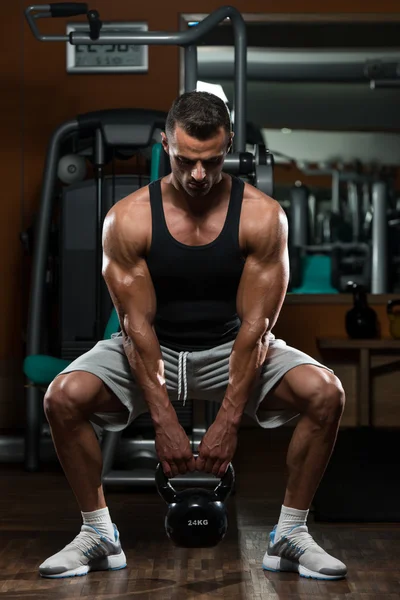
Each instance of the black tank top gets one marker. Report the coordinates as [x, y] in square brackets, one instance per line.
[196, 286]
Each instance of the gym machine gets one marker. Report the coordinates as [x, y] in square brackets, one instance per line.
[354, 245]
[256, 167]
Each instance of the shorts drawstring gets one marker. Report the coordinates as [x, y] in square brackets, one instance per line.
[182, 375]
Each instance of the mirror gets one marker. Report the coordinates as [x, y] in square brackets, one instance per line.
[323, 93]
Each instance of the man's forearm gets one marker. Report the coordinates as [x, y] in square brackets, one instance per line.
[147, 365]
[248, 355]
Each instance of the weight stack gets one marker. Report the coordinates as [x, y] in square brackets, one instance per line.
[361, 482]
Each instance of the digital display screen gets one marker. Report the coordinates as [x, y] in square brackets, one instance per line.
[108, 58]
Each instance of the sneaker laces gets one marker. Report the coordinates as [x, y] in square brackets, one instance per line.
[85, 540]
[300, 537]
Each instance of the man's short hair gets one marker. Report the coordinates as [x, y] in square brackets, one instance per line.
[199, 114]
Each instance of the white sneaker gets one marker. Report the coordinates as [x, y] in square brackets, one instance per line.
[298, 552]
[89, 551]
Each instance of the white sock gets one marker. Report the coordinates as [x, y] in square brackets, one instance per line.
[101, 520]
[289, 518]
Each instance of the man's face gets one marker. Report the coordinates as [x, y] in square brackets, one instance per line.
[196, 164]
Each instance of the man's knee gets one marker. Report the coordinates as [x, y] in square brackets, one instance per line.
[68, 397]
[327, 399]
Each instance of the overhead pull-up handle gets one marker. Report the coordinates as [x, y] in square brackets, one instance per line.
[68, 9]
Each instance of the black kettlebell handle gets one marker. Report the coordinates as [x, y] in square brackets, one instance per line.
[225, 486]
[170, 495]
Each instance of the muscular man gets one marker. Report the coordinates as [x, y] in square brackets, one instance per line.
[197, 267]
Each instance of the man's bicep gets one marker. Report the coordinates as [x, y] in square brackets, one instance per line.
[124, 268]
[261, 292]
[265, 275]
[132, 293]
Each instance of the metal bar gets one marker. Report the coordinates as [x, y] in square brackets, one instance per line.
[331, 246]
[364, 391]
[379, 238]
[299, 212]
[43, 12]
[140, 38]
[191, 68]
[232, 164]
[109, 447]
[182, 38]
[146, 477]
[42, 238]
[33, 428]
[36, 301]
[240, 97]
[384, 84]
[353, 199]
[335, 202]
[99, 164]
[307, 18]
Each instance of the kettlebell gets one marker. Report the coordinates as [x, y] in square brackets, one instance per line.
[361, 320]
[394, 318]
[196, 517]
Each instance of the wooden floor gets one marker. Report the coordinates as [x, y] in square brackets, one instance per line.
[39, 516]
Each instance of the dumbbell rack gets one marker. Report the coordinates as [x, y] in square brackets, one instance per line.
[379, 210]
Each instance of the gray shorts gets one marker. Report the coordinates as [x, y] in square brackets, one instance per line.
[199, 375]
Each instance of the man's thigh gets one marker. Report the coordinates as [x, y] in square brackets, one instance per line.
[121, 399]
[89, 392]
[296, 387]
[286, 371]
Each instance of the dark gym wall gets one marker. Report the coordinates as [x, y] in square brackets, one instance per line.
[38, 94]
[10, 177]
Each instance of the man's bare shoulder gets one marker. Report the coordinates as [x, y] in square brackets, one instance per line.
[130, 206]
[128, 222]
[260, 212]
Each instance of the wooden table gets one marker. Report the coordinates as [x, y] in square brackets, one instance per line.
[365, 349]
